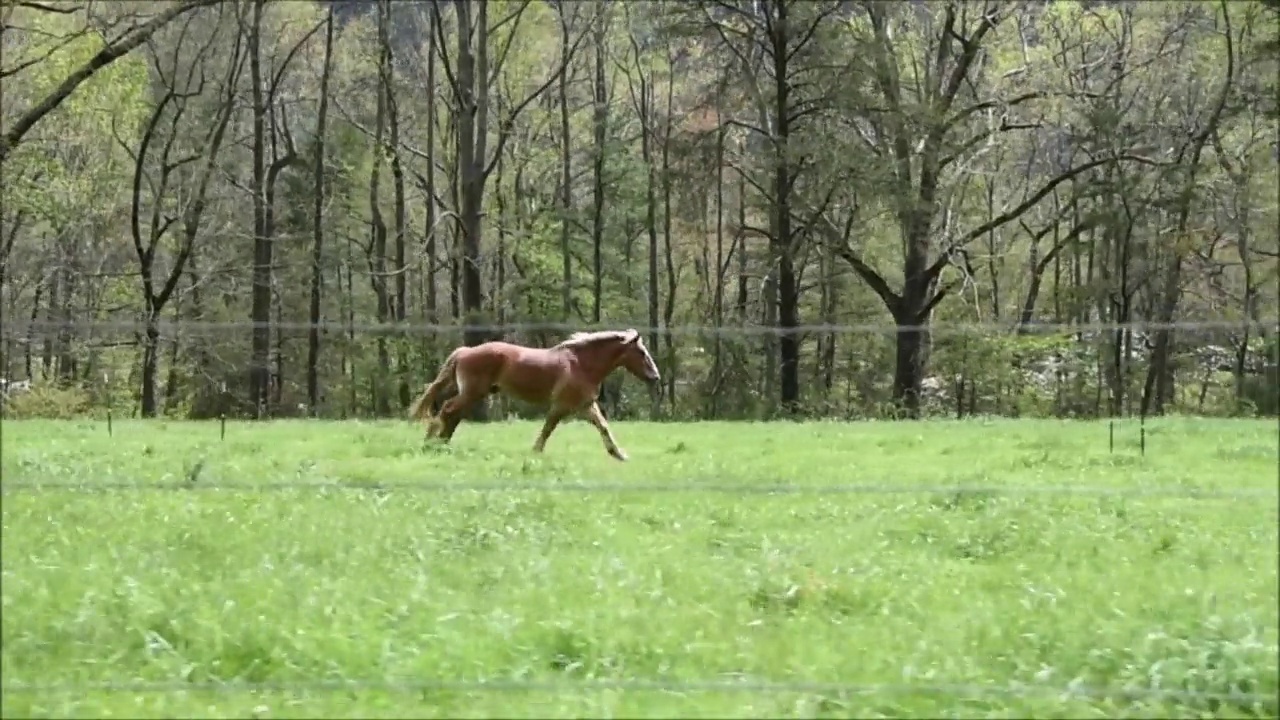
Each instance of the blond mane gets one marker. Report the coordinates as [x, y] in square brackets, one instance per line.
[581, 339]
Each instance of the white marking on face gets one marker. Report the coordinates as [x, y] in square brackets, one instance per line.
[650, 367]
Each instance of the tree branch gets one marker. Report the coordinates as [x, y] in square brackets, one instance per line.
[988, 104]
[441, 46]
[8, 72]
[103, 58]
[979, 138]
[501, 59]
[507, 123]
[42, 7]
[1013, 214]
[873, 279]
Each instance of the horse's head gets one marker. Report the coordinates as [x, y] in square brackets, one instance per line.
[636, 358]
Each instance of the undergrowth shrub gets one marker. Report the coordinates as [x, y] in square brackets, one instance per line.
[49, 402]
[1260, 394]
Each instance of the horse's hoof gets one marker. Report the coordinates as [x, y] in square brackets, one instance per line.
[621, 456]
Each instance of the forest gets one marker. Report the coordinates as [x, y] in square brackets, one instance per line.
[810, 208]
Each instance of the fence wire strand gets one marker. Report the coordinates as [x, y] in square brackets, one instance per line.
[638, 488]
[208, 327]
[1073, 689]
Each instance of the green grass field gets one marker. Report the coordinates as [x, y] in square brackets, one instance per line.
[962, 580]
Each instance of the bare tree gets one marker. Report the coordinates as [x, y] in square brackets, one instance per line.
[769, 40]
[1187, 162]
[913, 127]
[159, 174]
[269, 125]
[641, 87]
[470, 78]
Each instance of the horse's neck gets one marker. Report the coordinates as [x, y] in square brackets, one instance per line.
[598, 363]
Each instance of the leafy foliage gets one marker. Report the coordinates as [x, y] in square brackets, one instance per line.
[936, 136]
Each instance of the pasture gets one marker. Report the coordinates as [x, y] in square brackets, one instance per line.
[959, 579]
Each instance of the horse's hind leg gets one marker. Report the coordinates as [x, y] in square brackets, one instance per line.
[596, 417]
[453, 412]
[434, 425]
[435, 421]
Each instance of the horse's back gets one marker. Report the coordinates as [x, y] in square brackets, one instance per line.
[498, 357]
[528, 373]
[501, 347]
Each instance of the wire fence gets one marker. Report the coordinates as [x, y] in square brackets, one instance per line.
[605, 487]
[1072, 690]
[205, 327]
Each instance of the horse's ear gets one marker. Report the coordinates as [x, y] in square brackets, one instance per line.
[632, 335]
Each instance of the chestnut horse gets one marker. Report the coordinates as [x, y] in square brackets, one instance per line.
[566, 376]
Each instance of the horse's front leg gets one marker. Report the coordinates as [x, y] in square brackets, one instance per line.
[553, 419]
[596, 417]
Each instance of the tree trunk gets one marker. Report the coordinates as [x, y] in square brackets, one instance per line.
[472, 76]
[599, 128]
[781, 234]
[260, 310]
[566, 184]
[651, 210]
[430, 245]
[150, 366]
[399, 309]
[317, 227]
[831, 302]
[377, 225]
[717, 290]
[740, 247]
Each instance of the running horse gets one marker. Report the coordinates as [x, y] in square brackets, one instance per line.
[566, 377]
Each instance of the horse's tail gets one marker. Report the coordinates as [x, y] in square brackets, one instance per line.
[421, 408]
